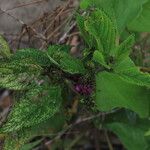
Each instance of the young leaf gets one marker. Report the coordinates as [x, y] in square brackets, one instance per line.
[112, 92]
[39, 104]
[89, 39]
[65, 62]
[101, 27]
[124, 48]
[131, 136]
[4, 48]
[99, 58]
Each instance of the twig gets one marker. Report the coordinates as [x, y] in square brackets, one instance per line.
[24, 24]
[63, 38]
[145, 69]
[96, 137]
[24, 4]
[58, 15]
[43, 45]
[108, 140]
[75, 141]
[79, 121]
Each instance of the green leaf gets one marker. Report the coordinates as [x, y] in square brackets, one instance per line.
[63, 48]
[39, 104]
[33, 56]
[127, 70]
[65, 61]
[17, 74]
[89, 39]
[30, 146]
[4, 48]
[113, 92]
[99, 58]
[20, 66]
[84, 4]
[15, 82]
[125, 11]
[131, 136]
[48, 127]
[124, 48]
[101, 27]
[147, 133]
[142, 22]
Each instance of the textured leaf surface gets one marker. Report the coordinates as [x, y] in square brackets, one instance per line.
[65, 62]
[89, 39]
[125, 11]
[4, 48]
[17, 75]
[15, 82]
[124, 48]
[100, 26]
[130, 135]
[142, 22]
[33, 55]
[130, 73]
[50, 126]
[38, 105]
[99, 58]
[112, 92]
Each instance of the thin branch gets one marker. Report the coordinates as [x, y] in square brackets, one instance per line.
[24, 24]
[108, 141]
[79, 121]
[57, 16]
[24, 5]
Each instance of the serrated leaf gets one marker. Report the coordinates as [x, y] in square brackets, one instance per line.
[99, 58]
[124, 48]
[22, 137]
[15, 82]
[113, 92]
[101, 27]
[125, 11]
[20, 66]
[16, 75]
[65, 62]
[89, 39]
[4, 48]
[32, 55]
[131, 136]
[39, 104]
[142, 22]
[63, 48]
[127, 70]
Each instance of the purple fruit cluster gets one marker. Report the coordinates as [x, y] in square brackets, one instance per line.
[83, 89]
